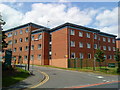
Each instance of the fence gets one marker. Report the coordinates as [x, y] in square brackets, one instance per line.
[79, 63]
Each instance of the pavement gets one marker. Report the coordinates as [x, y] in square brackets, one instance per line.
[46, 77]
[35, 78]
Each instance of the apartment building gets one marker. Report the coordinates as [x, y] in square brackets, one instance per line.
[75, 41]
[55, 46]
[118, 43]
[18, 41]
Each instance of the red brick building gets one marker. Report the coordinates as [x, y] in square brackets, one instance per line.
[75, 41]
[18, 42]
[55, 46]
[118, 43]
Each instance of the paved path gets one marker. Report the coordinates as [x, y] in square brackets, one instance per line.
[32, 80]
[58, 78]
[65, 79]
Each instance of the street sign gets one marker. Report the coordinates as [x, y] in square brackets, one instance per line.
[111, 64]
[8, 57]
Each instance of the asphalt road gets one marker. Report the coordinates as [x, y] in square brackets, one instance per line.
[59, 78]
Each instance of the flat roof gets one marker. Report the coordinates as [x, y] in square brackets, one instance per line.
[81, 27]
[118, 39]
[25, 25]
[74, 25]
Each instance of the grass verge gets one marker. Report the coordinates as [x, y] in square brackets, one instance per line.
[103, 70]
[10, 77]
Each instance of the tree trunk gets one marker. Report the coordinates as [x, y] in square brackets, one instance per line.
[118, 69]
[100, 65]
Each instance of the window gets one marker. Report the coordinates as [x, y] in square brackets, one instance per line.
[95, 36]
[26, 39]
[20, 48]
[110, 57]
[25, 57]
[89, 56]
[104, 39]
[87, 35]
[99, 38]
[26, 48]
[40, 36]
[14, 49]
[104, 47]
[26, 30]
[15, 33]
[20, 39]
[80, 44]
[114, 49]
[80, 34]
[72, 32]
[108, 39]
[105, 56]
[15, 41]
[32, 47]
[113, 40]
[72, 55]
[32, 38]
[39, 46]
[81, 56]
[72, 43]
[20, 31]
[10, 42]
[39, 56]
[95, 46]
[109, 48]
[32, 57]
[14, 58]
[9, 34]
[88, 45]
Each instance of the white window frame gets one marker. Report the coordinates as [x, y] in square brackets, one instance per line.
[81, 55]
[104, 47]
[39, 56]
[113, 40]
[104, 39]
[80, 34]
[95, 36]
[88, 55]
[32, 38]
[108, 39]
[26, 39]
[81, 44]
[109, 48]
[73, 55]
[32, 57]
[72, 43]
[88, 35]
[39, 36]
[72, 32]
[95, 46]
[21, 32]
[114, 49]
[40, 46]
[32, 47]
[88, 45]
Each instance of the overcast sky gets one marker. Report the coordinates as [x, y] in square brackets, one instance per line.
[99, 15]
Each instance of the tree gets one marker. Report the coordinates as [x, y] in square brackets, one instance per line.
[4, 44]
[99, 57]
[117, 58]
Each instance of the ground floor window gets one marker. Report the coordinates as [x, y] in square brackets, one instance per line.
[72, 55]
[39, 56]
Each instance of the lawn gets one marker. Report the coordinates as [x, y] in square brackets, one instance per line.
[103, 70]
[13, 76]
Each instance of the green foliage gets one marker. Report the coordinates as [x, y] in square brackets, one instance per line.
[117, 58]
[99, 56]
[4, 44]
[117, 55]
